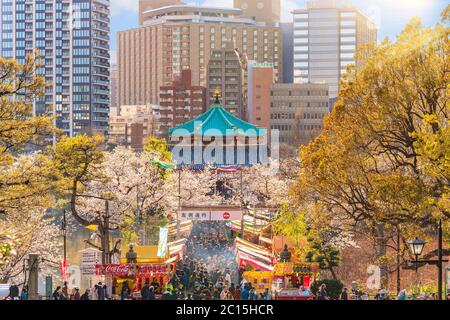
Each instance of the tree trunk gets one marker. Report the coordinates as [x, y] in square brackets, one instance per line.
[105, 237]
[333, 274]
[381, 249]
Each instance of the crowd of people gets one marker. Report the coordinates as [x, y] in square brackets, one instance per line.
[208, 272]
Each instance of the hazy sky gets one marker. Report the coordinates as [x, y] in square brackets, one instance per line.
[390, 15]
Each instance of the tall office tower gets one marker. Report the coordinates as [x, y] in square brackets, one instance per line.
[297, 111]
[287, 29]
[260, 81]
[145, 5]
[180, 102]
[226, 75]
[114, 86]
[326, 37]
[182, 37]
[72, 38]
[268, 11]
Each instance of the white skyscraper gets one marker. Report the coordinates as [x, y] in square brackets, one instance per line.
[72, 38]
[326, 37]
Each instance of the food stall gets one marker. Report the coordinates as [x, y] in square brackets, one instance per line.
[141, 265]
[292, 281]
[260, 280]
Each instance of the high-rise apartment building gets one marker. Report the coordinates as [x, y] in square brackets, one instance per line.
[145, 5]
[179, 37]
[180, 102]
[326, 37]
[297, 111]
[114, 86]
[268, 11]
[225, 74]
[72, 38]
[260, 81]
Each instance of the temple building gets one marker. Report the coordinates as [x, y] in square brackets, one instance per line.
[218, 138]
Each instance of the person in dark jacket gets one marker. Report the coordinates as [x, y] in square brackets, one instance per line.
[125, 292]
[57, 294]
[344, 294]
[14, 291]
[76, 295]
[100, 290]
[85, 295]
[151, 294]
[145, 292]
[323, 293]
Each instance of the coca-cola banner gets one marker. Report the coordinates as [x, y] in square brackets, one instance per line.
[133, 269]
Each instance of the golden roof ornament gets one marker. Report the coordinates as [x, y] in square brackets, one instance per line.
[217, 93]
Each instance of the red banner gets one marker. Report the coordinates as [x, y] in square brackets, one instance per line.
[64, 269]
[132, 269]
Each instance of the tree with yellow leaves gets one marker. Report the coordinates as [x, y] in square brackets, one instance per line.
[381, 163]
[27, 179]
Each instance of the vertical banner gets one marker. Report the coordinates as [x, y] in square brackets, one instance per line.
[64, 269]
[162, 244]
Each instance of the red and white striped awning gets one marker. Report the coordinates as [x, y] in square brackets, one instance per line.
[244, 260]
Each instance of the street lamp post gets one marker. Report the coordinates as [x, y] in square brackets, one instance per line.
[416, 247]
[64, 233]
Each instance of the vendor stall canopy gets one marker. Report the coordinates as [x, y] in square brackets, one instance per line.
[145, 254]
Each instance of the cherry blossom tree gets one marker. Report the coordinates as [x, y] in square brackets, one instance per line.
[29, 232]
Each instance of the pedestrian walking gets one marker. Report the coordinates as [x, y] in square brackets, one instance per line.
[76, 294]
[14, 291]
[24, 294]
[85, 295]
[57, 293]
[344, 294]
[100, 291]
[323, 292]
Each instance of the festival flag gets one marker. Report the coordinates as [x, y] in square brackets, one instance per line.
[162, 244]
[164, 164]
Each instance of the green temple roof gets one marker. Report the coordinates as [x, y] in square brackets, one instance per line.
[218, 120]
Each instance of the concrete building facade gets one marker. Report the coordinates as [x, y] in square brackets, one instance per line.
[297, 111]
[145, 5]
[225, 75]
[326, 37]
[114, 86]
[260, 82]
[180, 102]
[176, 38]
[131, 125]
[268, 11]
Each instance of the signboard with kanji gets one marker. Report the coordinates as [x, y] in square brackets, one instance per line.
[89, 258]
[210, 214]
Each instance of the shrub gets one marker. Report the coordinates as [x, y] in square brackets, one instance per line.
[334, 287]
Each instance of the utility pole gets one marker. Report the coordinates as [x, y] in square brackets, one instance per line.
[179, 203]
[242, 207]
[398, 261]
[106, 234]
[64, 233]
[439, 262]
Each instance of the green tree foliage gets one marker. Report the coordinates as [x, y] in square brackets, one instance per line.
[334, 287]
[326, 255]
